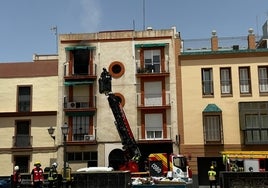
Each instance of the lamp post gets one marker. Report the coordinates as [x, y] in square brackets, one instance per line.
[64, 130]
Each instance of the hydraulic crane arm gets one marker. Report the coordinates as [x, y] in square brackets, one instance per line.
[123, 128]
[128, 141]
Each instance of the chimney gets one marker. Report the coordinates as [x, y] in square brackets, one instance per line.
[251, 39]
[214, 41]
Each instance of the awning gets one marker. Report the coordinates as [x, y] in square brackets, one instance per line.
[71, 83]
[82, 113]
[69, 48]
[212, 108]
[150, 45]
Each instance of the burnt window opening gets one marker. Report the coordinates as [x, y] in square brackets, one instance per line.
[81, 61]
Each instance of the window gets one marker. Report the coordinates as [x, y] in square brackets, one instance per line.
[24, 98]
[153, 93]
[152, 60]
[153, 126]
[226, 82]
[116, 69]
[244, 80]
[90, 157]
[263, 79]
[207, 81]
[256, 128]
[22, 135]
[212, 129]
[81, 62]
[80, 127]
[254, 122]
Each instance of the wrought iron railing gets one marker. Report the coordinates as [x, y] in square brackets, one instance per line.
[22, 141]
[79, 102]
[153, 100]
[149, 137]
[66, 71]
[152, 69]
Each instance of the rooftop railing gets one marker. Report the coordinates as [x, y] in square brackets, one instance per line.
[224, 43]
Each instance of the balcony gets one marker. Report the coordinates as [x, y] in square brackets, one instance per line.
[82, 139]
[152, 70]
[22, 141]
[154, 134]
[88, 73]
[79, 102]
[153, 100]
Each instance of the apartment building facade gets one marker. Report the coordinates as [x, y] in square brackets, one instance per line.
[224, 102]
[55, 90]
[29, 105]
[143, 69]
[196, 104]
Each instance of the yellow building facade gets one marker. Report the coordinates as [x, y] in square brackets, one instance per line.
[224, 103]
[29, 105]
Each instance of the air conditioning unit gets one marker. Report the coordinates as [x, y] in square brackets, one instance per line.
[71, 105]
[88, 137]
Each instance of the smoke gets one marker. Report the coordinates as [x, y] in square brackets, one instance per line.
[90, 15]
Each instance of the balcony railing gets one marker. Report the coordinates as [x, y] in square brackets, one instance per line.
[83, 137]
[152, 69]
[66, 71]
[22, 141]
[149, 137]
[79, 102]
[153, 100]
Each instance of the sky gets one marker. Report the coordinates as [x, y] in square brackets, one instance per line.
[25, 25]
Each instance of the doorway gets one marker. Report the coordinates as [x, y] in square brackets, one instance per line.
[22, 162]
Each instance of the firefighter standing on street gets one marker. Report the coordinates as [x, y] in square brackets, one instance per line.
[53, 176]
[16, 177]
[212, 177]
[37, 175]
[68, 176]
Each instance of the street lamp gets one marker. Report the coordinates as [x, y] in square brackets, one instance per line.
[51, 132]
[64, 130]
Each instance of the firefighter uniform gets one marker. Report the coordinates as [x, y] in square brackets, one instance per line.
[37, 175]
[16, 177]
[212, 177]
[53, 176]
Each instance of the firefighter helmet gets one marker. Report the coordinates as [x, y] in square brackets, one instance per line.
[55, 165]
[16, 168]
[211, 167]
[37, 163]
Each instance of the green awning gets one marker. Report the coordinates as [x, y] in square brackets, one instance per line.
[71, 83]
[212, 108]
[69, 48]
[83, 113]
[150, 45]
